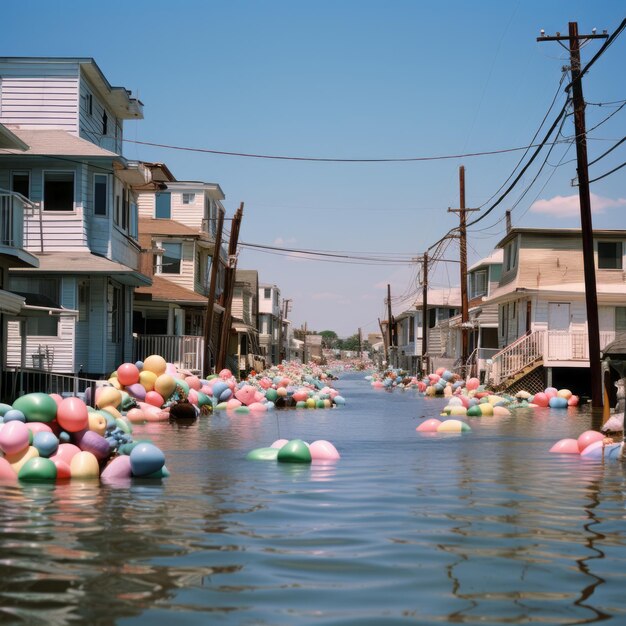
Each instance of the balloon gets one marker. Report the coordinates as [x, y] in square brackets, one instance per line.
[564, 393]
[37, 407]
[72, 415]
[322, 450]
[84, 465]
[14, 437]
[429, 426]
[193, 382]
[15, 414]
[225, 374]
[46, 443]
[18, 459]
[295, 451]
[6, 471]
[137, 390]
[587, 438]
[565, 446]
[453, 426]
[145, 459]
[156, 364]
[136, 416]
[557, 403]
[97, 422]
[541, 399]
[154, 398]
[90, 441]
[108, 396]
[279, 443]
[147, 379]
[65, 452]
[119, 467]
[128, 374]
[164, 385]
[38, 470]
[262, 454]
[63, 469]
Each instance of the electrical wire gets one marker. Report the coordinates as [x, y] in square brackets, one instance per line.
[615, 169]
[621, 141]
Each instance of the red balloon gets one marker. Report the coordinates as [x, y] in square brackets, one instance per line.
[541, 399]
[72, 415]
[128, 374]
[154, 398]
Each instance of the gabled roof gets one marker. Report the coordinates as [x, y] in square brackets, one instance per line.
[559, 232]
[56, 142]
[163, 290]
[495, 258]
[10, 141]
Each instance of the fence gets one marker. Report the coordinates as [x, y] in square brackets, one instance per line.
[185, 351]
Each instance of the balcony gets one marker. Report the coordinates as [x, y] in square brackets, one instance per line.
[13, 209]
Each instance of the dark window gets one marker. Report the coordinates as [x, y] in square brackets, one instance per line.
[89, 104]
[100, 193]
[58, 191]
[83, 301]
[20, 182]
[163, 206]
[267, 293]
[610, 255]
[620, 318]
[105, 123]
[432, 318]
[42, 325]
[170, 261]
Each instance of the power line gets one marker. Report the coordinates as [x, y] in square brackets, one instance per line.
[621, 141]
[619, 167]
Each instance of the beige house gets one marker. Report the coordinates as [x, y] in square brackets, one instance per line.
[542, 320]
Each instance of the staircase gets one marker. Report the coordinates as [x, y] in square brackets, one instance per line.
[518, 362]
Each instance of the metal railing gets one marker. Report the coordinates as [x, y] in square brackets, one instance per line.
[184, 351]
[14, 228]
[17, 381]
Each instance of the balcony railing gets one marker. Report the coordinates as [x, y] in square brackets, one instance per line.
[184, 351]
[516, 356]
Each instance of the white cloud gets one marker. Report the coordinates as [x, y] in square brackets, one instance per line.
[569, 206]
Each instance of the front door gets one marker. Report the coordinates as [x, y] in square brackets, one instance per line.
[559, 338]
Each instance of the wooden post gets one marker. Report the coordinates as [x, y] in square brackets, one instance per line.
[229, 283]
[425, 314]
[208, 320]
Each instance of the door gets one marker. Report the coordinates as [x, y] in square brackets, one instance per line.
[559, 339]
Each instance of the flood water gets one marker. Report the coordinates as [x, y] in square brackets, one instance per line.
[485, 527]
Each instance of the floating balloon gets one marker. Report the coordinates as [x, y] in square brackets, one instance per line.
[566, 446]
[128, 374]
[37, 407]
[145, 459]
[322, 450]
[14, 437]
[156, 364]
[72, 415]
[587, 438]
[295, 451]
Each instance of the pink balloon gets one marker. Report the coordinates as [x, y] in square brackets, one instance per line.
[301, 395]
[565, 446]
[63, 469]
[56, 397]
[592, 449]
[192, 396]
[472, 383]
[265, 383]
[279, 443]
[65, 452]
[7, 473]
[154, 398]
[587, 438]
[429, 426]
[119, 467]
[233, 403]
[38, 427]
[225, 373]
[72, 415]
[322, 450]
[246, 394]
[14, 437]
[573, 401]
[135, 416]
[258, 407]
[193, 382]
[551, 392]
[541, 399]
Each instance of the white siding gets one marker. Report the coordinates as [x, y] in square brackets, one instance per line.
[40, 95]
[123, 249]
[91, 125]
[146, 203]
[188, 214]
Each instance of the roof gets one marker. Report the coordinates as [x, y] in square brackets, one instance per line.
[450, 297]
[495, 258]
[56, 142]
[197, 184]
[119, 99]
[36, 303]
[567, 232]
[165, 290]
[9, 140]
[251, 277]
[85, 263]
[153, 226]
[605, 291]
[160, 172]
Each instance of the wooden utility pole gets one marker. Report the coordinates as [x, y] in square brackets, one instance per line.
[462, 211]
[385, 344]
[304, 361]
[591, 294]
[229, 287]
[360, 342]
[208, 320]
[389, 323]
[425, 314]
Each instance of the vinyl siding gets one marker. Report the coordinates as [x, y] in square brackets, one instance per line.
[91, 125]
[146, 204]
[186, 276]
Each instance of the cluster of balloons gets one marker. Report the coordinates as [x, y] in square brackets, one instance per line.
[553, 398]
[477, 404]
[434, 425]
[44, 437]
[296, 451]
[591, 445]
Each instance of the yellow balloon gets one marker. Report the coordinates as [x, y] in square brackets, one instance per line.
[18, 459]
[486, 408]
[458, 410]
[111, 410]
[310, 403]
[155, 363]
[97, 422]
[84, 465]
[165, 385]
[114, 383]
[108, 396]
[147, 379]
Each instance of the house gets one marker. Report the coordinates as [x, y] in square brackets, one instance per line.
[542, 326]
[482, 326]
[177, 231]
[84, 233]
[269, 322]
[245, 315]
[442, 304]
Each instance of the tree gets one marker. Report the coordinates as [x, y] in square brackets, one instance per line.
[329, 339]
[351, 343]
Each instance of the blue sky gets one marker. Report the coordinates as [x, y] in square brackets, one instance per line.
[350, 79]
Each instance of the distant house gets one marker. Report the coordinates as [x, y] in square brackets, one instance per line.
[542, 325]
[441, 306]
[245, 315]
[177, 229]
[84, 232]
[269, 322]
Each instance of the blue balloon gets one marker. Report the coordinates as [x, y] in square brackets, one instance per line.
[14, 415]
[46, 443]
[218, 388]
[146, 458]
[64, 437]
[139, 365]
[557, 403]
[4, 408]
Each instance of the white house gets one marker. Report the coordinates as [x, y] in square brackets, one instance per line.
[269, 321]
[84, 234]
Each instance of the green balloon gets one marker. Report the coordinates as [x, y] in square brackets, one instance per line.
[320, 404]
[38, 469]
[127, 448]
[271, 394]
[37, 407]
[301, 404]
[242, 409]
[263, 454]
[222, 406]
[122, 424]
[203, 399]
[4, 408]
[183, 384]
[160, 473]
[474, 411]
[127, 401]
[294, 451]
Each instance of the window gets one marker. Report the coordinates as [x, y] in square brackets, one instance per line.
[89, 103]
[105, 123]
[172, 255]
[510, 255]
[411, 323]
[610, 255]
[267, 293]
[479, 283]
[83, 301]
[41, 325]
[620, 318]
[163, 209]
[189, 198]
[100, 194]
[58, 191]
[20, 182]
